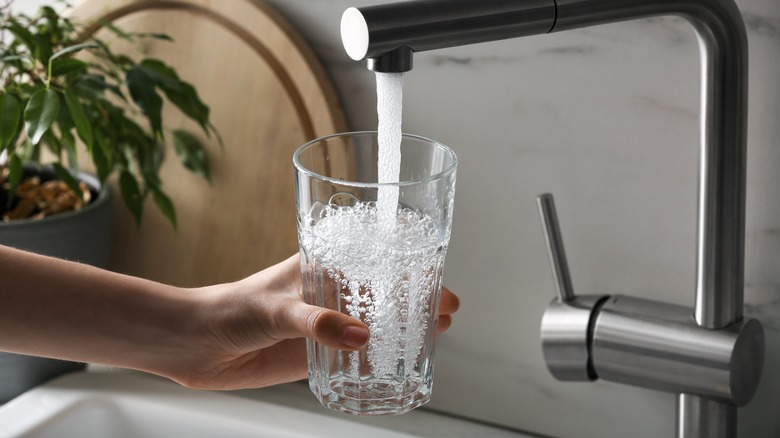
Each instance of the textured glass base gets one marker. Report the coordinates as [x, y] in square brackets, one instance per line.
[374, 397]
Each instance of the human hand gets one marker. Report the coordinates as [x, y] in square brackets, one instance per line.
[252, 332]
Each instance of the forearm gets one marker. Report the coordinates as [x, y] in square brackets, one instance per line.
[72, 311]
[248, 333]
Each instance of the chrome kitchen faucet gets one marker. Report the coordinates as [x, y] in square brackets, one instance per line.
[709, 354]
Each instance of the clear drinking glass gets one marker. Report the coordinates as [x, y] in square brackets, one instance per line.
[383, 269]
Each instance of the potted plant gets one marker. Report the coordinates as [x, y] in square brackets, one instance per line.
[63, 95]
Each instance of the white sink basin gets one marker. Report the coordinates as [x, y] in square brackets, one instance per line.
[132, 405]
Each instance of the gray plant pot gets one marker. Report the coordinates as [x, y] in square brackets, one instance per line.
[83, 236]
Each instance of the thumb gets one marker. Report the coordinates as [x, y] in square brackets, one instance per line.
[328, 327]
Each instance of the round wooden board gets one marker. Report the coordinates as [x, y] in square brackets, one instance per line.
[267, 94]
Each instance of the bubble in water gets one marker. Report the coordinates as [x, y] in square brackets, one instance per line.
[386, 278]
[343, 199]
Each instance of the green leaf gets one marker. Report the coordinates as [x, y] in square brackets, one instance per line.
[132, 195]
[165, 205]
[83, 127]
[142, 90]
[213, 129]
[117, 31]
[28, 151]
[150, 161]
[63, 52]
[72, 49]
[64, 120]
[180, 93]
[15, 171]
[43, 49]
[29, 89]
[24, 35]
[130, 36]
[90, 86]
[50, 140]
[66, 66]
[9, 58]
[101, 162]
[189, 103]
[66, 177]
[159, 36]
[191, 153]
[69, 144]
[40, 113]
[10, 115]
[164, 76]
[106, 146]
[53, 18]
[121, 60]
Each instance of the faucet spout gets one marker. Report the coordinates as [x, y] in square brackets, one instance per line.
[377, 32]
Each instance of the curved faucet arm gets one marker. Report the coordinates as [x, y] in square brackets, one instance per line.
[389, 34]
[721, 208]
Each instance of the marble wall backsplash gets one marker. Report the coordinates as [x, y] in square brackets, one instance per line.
[606, 118]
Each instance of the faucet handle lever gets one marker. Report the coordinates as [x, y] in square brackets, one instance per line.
[566, 324]
[555, 250]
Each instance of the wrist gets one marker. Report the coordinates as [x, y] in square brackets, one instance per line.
[173, 336]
